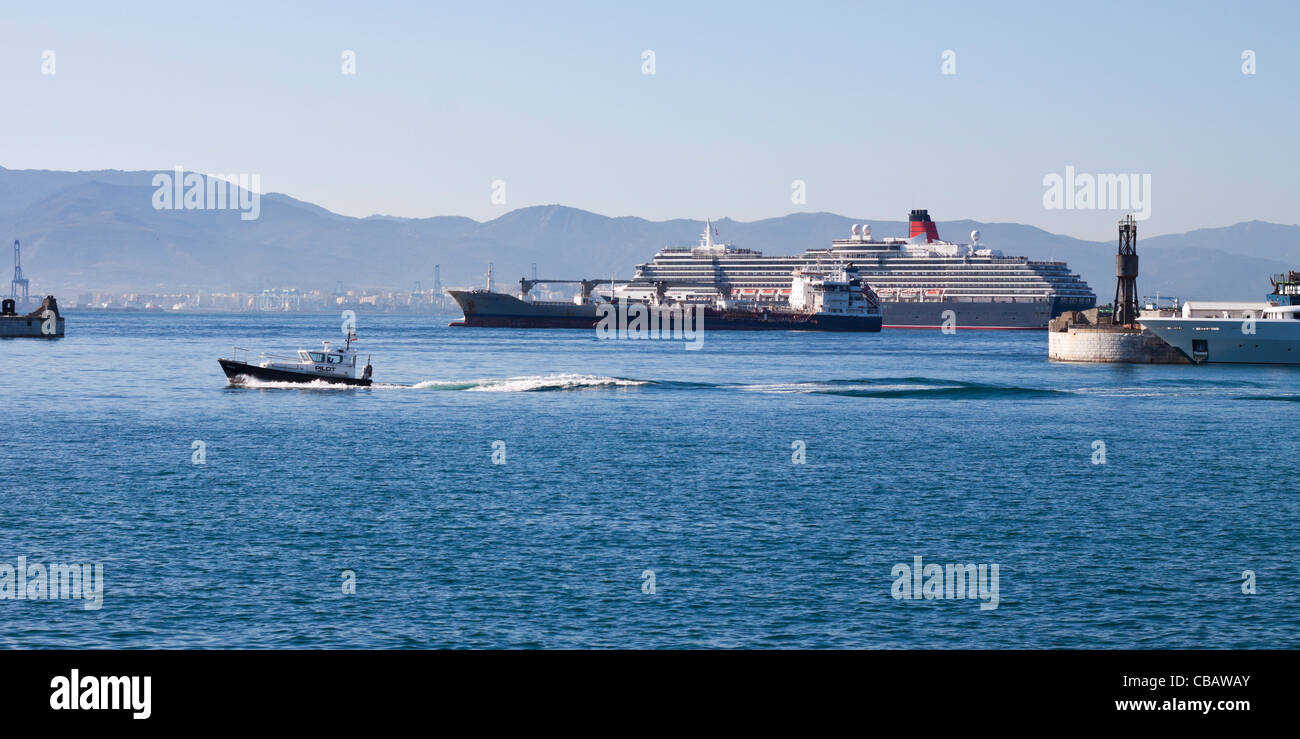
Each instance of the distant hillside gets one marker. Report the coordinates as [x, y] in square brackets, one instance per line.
[99, 230]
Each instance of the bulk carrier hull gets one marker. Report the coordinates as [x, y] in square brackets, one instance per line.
[498, 310]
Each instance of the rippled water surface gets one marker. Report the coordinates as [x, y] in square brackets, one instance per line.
[623, 457]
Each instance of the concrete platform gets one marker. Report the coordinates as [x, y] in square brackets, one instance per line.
[1084, 336]
[32, 325]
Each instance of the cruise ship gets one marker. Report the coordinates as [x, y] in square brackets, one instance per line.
[918, 279]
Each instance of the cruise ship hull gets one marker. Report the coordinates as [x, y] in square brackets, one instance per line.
[1223, 341]
[968, 315]
[497, 310]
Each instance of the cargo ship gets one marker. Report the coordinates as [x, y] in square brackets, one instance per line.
[818, 300]
[918, 279]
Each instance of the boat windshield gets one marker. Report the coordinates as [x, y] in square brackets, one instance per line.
[316, 356]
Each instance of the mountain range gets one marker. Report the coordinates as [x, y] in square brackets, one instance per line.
[99, 230]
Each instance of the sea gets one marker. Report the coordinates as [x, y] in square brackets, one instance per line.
[501, 488]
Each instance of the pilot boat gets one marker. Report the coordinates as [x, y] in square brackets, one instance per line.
[338, 366]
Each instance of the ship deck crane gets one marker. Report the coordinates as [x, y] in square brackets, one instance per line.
[526, 285]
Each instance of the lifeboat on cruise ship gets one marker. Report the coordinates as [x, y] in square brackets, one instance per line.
[934, 294]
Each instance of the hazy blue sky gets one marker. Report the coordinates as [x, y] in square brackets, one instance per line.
[746, 98]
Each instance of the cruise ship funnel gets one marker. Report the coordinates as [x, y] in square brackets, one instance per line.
[919, 223]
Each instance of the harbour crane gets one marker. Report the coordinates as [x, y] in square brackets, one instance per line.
[19, 282]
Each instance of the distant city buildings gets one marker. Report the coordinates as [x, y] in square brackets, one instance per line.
[277, 300]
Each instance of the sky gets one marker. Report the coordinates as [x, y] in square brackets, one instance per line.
[477, 109]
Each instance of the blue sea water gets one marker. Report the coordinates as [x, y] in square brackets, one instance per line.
[623, 457]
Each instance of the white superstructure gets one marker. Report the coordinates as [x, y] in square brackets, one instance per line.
[841, 292]
[1235, 332]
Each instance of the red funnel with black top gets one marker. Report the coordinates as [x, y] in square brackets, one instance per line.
[919, 223]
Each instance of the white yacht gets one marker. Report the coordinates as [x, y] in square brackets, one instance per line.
[1236, 333]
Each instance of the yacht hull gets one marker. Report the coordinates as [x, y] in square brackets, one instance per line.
[1227, 341]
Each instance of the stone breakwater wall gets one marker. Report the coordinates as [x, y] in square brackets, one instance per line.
[1087, 337]
[1108, 345]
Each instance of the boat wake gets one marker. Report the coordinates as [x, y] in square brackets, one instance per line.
[254, 384]
[532, 384]
[903, 387]
[1279, 398]
[913, 387]
[522, 384]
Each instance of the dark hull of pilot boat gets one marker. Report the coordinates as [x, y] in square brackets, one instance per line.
[238, 371]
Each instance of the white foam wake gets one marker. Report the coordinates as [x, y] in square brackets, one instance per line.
[533, 383]
[826, 387]
[523, 384]
[253, 384]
